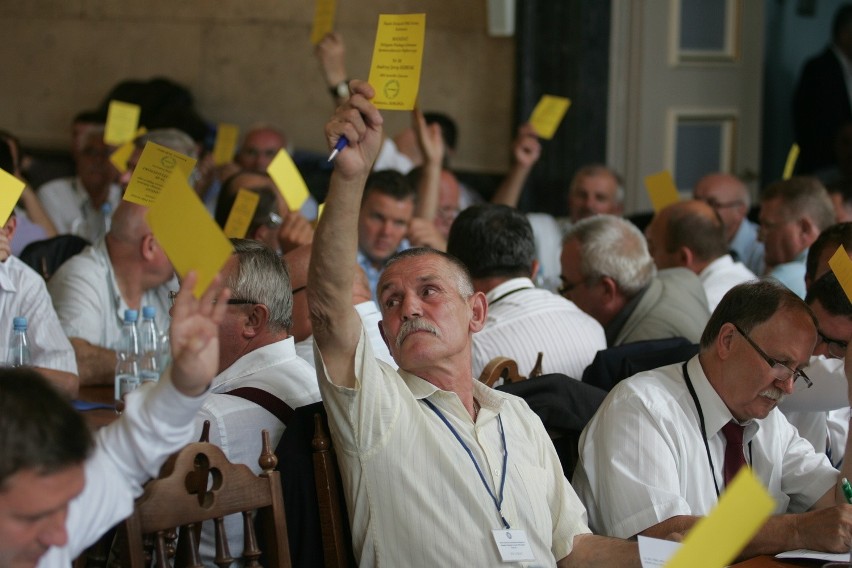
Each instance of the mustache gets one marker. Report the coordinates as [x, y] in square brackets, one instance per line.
[410, 326]
[775, 394]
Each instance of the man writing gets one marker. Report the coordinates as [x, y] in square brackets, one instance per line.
[402, 436]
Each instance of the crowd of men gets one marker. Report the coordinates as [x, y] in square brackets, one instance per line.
[389, 306]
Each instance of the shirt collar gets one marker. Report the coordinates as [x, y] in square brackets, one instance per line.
[716, 413]
[256, 361]
[507, 287]
[6, 283]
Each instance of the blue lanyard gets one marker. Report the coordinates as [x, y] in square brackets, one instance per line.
[497, 502]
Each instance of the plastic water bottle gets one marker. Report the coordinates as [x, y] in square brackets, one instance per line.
[127, 369]
[106, 213]
[149, 342]
[19, 346]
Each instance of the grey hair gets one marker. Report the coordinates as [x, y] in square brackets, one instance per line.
[263, 278]
[171, 138]
[611, 246]
[461, 274]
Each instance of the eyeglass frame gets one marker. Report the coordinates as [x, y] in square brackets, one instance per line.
[774, 364]
[231, 301]
[843, 345]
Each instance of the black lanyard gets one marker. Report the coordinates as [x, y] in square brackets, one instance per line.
[704, 429]
[509, 293]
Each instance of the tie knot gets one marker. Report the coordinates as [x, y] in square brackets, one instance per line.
[733, 433]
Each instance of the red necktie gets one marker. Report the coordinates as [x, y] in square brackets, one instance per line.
[734, 457]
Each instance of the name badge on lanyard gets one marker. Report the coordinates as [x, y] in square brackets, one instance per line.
[513, 545]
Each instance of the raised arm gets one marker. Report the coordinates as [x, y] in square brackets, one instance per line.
[336, 324]
[431, 144]
[526, 151]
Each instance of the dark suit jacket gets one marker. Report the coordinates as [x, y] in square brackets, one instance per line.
[820, 108]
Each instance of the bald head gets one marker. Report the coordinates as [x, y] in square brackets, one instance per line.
[728, 196]
[687, 234]
[128, 222]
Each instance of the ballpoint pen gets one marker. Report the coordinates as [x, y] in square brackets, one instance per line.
[341, 144]
[847, 490]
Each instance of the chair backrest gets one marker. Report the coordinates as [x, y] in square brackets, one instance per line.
[317, 520]
[617, 363]
[199, 484]
[500, 368]
[45, 257]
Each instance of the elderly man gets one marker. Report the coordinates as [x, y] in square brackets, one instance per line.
[665, 443]
[260, 378]
[608, 272]
[496, 244]
[793, 212]
[690, 234]
[730, 198]
[59, 489]
[402, 436]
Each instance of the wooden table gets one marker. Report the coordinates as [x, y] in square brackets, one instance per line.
[102, 416]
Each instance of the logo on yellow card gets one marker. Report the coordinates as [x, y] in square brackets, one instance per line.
[391, 89]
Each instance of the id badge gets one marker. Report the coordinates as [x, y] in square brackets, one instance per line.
[513, 545]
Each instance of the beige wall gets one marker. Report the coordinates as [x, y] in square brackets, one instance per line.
[245, 61]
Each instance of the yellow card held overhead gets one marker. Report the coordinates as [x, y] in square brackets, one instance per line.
[185, 230]
[324, 12]
[397, 60]
[792, 156]
[288, 180]
[11, 189]
[242, 212]
[661, 189]
[717, 538]
[122, 120]
[226, 143]
[841, 265]
[155, 166]
[548, 114]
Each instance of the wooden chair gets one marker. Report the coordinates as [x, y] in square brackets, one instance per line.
[199, 484]
[507, 369]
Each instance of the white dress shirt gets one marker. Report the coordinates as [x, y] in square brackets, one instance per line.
[23, 293]
[68, 205]
[413, 493]
[643, 459]
[720, 276]
[523, 320]
[236, 423]
[157, 421]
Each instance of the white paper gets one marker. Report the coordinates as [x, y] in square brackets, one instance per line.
[827, 556]
[655, 552]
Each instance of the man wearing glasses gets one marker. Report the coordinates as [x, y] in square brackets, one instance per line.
[665, 443]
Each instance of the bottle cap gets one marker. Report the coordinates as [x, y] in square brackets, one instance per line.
[131, 315]
[148, 312]
[19, 323]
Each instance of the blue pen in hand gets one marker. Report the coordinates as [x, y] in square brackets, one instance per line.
[847, 490]
[341, 144]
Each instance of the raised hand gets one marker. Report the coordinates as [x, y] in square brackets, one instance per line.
[361, 123]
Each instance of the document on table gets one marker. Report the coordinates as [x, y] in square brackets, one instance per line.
[814, 555]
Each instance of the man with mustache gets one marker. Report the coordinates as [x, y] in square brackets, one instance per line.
[438, 470]
[665, 443]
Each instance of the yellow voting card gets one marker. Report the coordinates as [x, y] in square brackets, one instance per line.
[122, 120]
[397, 60]
[792, 156]
[155, 166]
[226, 143]
[324, 11]
[11, 189]
[717, 538]
[122, 154]
[242, 212]
[288, 180]
[185, 230]
[661, 189]
[841, 265]
[548, 114]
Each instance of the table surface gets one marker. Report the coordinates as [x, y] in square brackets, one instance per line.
[772, 562]
[100, 417]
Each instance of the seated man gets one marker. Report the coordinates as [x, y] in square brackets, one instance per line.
[665, 443]
[689, 234]
[401, 436]
[255, 352]
[23, 293]
[495, 242]
[60, 490]
[608, 272]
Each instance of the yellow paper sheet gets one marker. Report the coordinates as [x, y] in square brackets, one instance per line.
[153, 169]
[288, 180]
[841, 265]
[548, 114]
[122, 154]
[185, 230]
[226, 143]
[242, 212]
[717, 539]
[792, 156]
[122, 120]
[661, 189]
[323, 19]
[397, 60]
[11, 189]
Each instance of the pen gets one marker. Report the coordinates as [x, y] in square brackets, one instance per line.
[341, 144]
[847, 490]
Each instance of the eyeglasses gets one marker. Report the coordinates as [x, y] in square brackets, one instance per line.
[299, 289]
[231, 301]
[836, 348]
[780, 371]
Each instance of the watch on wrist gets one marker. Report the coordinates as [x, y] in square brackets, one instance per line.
[340, 90]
